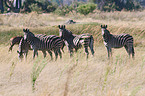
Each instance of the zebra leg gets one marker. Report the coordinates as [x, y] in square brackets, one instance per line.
[71, 51]
[56, 54]
[133, 52]
[86, 50]
[35, 52]
[50, 53]
[59, 52]
[44, 53]
[26, 53]
[108, 50]
[76, 49]
[128, 49]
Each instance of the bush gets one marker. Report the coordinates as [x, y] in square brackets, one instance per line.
[34, 7]
[64, 10]
[86, 8]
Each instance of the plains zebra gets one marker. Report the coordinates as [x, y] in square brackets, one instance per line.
[15, 40]
[47, 43]
[117, 41]
[73, 41]
[24, 47]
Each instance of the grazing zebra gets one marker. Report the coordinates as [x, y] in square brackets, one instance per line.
[15, 40]
[24, 47]
[73, 41]
[47, 43]
[117, 41]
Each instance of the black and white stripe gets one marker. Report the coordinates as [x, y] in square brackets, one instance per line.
[45, 43]
[117, 41]
[24, 47]
[73, 41]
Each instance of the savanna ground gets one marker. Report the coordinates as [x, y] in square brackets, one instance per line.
[97, 76]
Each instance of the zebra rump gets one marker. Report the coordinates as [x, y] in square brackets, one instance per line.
[15, 40]
[45, 43]
[73, 41]
[117, 41]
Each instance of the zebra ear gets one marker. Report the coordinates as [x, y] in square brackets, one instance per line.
[63, 26]
[59, 26]
[24, 30]
[106, 26]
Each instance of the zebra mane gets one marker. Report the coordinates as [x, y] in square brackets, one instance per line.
[68, 31]
[28, 32]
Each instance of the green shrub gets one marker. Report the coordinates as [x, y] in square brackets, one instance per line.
[86, 8]
[63, 10]
[34, 7]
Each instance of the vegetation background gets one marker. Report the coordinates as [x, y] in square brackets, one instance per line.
[97, 76]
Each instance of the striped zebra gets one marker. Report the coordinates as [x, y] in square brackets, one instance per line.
[73, 41]
[117, 41]
[47, 43]
[24, 47]
[15, 40]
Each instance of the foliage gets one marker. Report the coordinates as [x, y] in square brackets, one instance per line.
[39, 5]
[64, 10]
[86, 8]
[34, 7]
[118, 5]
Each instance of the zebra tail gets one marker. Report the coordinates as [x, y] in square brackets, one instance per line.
[133, 52]
[91, 44]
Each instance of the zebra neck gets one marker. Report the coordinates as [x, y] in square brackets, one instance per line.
[31, 40]
[107, 37]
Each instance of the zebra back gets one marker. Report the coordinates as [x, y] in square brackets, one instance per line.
[43, 42]
[76, 41]
[117, 41]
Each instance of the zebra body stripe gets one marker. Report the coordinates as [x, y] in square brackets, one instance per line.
[117, 41]
[73, 41]
[45, 43]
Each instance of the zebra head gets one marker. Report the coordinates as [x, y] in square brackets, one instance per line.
[63, 33]
[20, 54]
[20, 51]
[27, 34]
[104, 30]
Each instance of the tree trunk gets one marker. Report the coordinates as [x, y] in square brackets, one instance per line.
[1, 6]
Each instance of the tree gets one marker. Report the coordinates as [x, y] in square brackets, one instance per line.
[1, 6]
[13, 5]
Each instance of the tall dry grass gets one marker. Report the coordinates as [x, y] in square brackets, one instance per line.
[97, 76]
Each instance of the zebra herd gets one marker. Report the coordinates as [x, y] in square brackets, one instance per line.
[72, 41]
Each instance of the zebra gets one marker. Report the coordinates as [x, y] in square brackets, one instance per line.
[47, 43]
[15, 40]
[24, 47]
[117, 41]
[73, 41]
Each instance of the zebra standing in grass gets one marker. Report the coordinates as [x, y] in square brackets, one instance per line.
[24, 47]
[117, 41]
[73, 41]
[47, 43]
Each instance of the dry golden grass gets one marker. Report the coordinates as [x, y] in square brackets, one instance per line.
[97, 76]
[75, 76]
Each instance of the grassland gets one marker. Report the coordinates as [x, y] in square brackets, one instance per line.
[97, 76]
